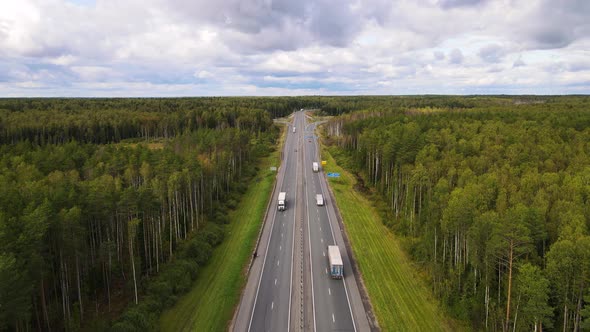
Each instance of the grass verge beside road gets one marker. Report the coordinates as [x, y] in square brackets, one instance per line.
[209, 306]
[400, 299]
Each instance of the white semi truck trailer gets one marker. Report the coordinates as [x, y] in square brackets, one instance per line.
[335, 261]
[319, 199]
[282, 200]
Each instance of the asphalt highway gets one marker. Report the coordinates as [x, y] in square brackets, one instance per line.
[272, 304]
[289, 288]
[332, 311]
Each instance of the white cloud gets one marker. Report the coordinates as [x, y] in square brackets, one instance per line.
[203, 74]
[172, 47]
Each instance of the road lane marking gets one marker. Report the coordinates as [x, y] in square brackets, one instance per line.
[323, 252]
[275, 281]
[343, 279]
[307, 200]
[280, 248]
[272, 306]
[333, 320]
[297, 165]
[278, 263]
[322, 240]
[326, 270]
[329, 291]
[266, 255]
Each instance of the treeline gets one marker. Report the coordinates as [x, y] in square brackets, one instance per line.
[86, 228]
[342, 105]
[493, 201]
[110, 120]
[100, 121]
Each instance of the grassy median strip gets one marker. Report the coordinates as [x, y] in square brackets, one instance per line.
[210, 304]
[402, 302]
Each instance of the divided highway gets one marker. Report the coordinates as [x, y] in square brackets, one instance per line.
[289, 287]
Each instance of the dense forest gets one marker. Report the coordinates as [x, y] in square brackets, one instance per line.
[109, 207]
[99, 121]
[491, 196]
[110, 202]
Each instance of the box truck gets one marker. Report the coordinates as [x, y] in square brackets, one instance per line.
[335, 261]
[319, 199]
[293, 129]
[316, 166]
[282, 200]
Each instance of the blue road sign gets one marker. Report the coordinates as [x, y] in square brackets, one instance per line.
[333, 175]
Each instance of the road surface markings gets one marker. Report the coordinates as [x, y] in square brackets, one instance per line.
[333, 320]
[278, 263]
[280, 247]
[272, 306]
[324, 253]
[320, 227]
[322, 240]
[329, 291]
[344, 280]
[307, 208]
[326, 270]
[275, 281]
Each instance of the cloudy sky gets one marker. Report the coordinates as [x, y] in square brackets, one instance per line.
[293, 47]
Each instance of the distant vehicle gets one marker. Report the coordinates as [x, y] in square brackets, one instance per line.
[302, 110]
[293, 129]
[316, 166]
[335, 260]
[319, 199]
[282, 200]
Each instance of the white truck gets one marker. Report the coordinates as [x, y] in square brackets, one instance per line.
[319, 199]
[282, 200]
[316, 166]
[335, 261]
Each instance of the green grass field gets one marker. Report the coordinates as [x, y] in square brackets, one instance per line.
[209, 306]
[400, 299]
